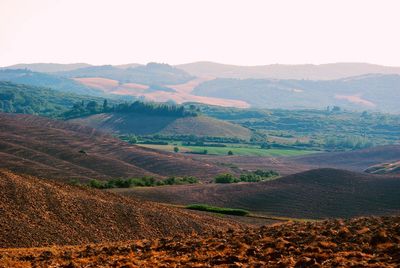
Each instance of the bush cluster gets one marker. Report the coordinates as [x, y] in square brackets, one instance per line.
[229, 211]
[141, 182]
[254, 176]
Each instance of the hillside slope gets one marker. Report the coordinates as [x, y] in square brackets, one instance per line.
[149, 74]
[319, 193]
[27, 77]
[37, 212]
[142, 124]
[55, 149]
[357, 160]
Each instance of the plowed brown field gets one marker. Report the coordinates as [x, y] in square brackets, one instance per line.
[60, 150]
[363, 242]
[39, 212]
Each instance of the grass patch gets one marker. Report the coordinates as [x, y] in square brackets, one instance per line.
[236, 150]
[228, 211]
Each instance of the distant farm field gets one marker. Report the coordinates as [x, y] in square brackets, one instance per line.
[236, 150]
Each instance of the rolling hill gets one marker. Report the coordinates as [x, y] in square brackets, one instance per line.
[150, 74]
[24, 76]
[368, 92]
[19, 98]
[138, 124]
[39, 212]
[48, 67]
[317, 194]
[178, 93]
[280, 71]
[357, 160]
[65, 151]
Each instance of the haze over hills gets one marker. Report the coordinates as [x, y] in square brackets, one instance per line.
[65, 151]
[47, 67]
[368, 92]
[328, 71]
[27, 77]
[354, 86]
[149, 74]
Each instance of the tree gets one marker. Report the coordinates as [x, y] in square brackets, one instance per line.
[230, 152]
[91, 106]
[132, 139]
[176, 149]
[225, 178]
[105, 105]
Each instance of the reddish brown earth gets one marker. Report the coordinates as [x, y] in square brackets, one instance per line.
[55, 149]
[38, 212]
[363, 242]
[316, 194]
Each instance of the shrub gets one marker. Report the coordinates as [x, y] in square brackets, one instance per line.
[229, 211]
[225, 178]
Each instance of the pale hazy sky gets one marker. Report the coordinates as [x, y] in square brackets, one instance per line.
[247, 32]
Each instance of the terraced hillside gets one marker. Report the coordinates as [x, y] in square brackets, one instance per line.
[55, 149]
[38, 212]
[139, 124]
[363, 242]
[319, 193]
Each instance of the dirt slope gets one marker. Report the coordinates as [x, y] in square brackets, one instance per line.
[38, 212]
[55, 149]
[139, 124]
[319, 193]
[363, 242]
[357, 160]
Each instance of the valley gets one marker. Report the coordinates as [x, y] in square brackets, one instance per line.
[128, 166]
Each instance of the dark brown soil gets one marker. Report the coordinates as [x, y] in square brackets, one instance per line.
[319, 194]
[38, 212]
[363, 242]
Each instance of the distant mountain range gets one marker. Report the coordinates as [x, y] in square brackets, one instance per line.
[368, 92]
[354, 86]
[212, 69]
[281, 71]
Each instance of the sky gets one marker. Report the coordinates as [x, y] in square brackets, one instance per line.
[248, 32]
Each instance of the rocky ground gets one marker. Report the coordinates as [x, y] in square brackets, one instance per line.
[362, 242]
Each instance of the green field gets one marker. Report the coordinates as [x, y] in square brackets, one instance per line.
[237, 150]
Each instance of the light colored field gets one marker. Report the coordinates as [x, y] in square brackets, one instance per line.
[182, 92]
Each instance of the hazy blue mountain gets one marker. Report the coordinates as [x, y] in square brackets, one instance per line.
[48, 67]
[24, 76]
[149, 74]
[282, 71]
[369, 92]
